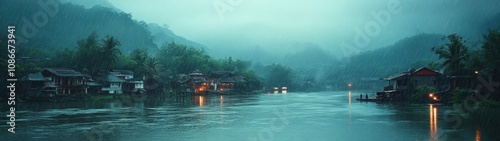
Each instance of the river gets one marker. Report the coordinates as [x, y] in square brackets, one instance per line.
[310, 116]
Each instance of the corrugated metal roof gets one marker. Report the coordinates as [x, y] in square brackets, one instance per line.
[34, 77]
[128, 72]
[109, 78]
[65, 72]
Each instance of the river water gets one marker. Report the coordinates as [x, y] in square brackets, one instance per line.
[293, 116]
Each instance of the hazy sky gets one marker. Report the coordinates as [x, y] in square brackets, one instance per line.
[327, 23]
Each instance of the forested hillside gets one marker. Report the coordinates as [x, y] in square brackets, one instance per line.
[367, 67]
[60, 27]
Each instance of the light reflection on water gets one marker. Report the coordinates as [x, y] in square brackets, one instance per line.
[350, 97]
[478, 134]
[200, 99]
[433, 135]
[311, 116]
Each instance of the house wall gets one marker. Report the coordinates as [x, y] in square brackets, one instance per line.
[124, 76]
[67, 85]
[428, 80]
[139, 86]
[114, 88]
[400, 83]
[129, 76]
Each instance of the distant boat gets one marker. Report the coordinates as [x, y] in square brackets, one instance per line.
[372, 99]
[380, 96]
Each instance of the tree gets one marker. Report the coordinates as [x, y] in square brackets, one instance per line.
[139, 57]
[94, 58]
[87, 55]
[280, 76]
[110, 53]
[252, 82]
[151, 68]
[454, 54]
[182, 59]
[491, 51]
[475, 61]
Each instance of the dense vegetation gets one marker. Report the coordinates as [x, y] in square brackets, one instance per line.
[484, 62]
[97, 56]
[365, 70]
[74, 22]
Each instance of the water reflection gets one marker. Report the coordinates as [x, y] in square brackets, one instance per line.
[433, 122]
[181, 118]
[350, 97]
[478, 134]
[200, 100]
[221, 100]
[350, 101]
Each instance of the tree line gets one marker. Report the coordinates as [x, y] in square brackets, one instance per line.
[458, 59]
[97, 56]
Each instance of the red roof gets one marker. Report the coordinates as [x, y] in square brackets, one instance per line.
[418, 72]
[425, 71]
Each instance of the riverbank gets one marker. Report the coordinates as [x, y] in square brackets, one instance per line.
[86, 97]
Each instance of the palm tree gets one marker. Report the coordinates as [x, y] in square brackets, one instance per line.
[151, 68]
[454, 53]
[110, 52]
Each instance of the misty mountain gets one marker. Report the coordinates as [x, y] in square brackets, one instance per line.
[397, 57]
[304, 57]
[366, 68]
[162, 34]
[71, 23]
[91, 3]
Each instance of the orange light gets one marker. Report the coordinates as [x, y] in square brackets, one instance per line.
[201, 100]
[431, 95]
[435, 98]
[478, 134]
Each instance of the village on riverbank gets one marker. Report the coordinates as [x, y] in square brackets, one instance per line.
[55, 83]
[464, 76]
